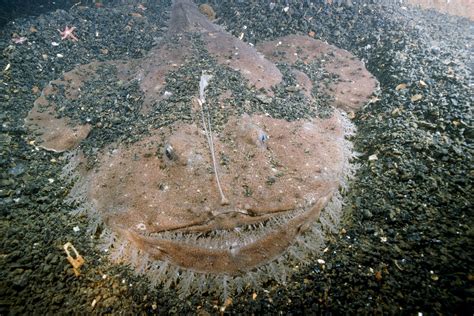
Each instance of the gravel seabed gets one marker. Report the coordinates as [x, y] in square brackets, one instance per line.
[406, 242]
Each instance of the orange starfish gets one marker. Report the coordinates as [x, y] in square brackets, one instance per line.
[68, 33]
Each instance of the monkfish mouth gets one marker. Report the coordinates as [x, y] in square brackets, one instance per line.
[227, 227]
[224, 249]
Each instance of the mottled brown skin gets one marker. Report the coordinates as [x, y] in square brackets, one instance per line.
[141, 194]
[151, 71]
[58, 134]
[353, 89]
[355, 85]
[227, 49]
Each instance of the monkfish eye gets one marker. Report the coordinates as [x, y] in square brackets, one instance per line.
[262, 137]
[169, 152]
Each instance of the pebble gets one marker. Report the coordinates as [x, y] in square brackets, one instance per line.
[373, 157]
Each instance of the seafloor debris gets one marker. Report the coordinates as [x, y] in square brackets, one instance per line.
[208, 11]
[77, 261]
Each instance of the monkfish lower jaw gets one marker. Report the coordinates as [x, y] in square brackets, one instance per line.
[228, 256]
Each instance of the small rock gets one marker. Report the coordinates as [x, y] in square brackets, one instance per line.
[416, 97]
[373, 157]
[401, 86]
[264, 98]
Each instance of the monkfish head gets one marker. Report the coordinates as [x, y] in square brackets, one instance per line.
[161, 194]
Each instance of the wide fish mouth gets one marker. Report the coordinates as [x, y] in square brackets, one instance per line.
[228, 251]
[226, 226]
[206, 236]
[227, 218]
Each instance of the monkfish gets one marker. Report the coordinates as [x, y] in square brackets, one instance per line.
[206, 204]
